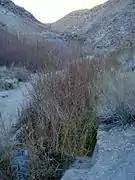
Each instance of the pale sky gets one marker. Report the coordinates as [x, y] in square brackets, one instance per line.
[48, 11]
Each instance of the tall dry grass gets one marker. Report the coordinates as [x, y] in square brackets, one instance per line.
[5, 168]
[59, 122]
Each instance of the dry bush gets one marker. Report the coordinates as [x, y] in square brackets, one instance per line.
[12, 76]
[5, 155]
[116, 103]
[59, 122]
[14, 72]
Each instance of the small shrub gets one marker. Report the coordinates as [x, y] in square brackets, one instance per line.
[20, 73]
[6, 84]
[11, 77]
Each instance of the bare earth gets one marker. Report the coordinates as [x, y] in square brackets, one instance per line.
[11, 102]
[114, 157]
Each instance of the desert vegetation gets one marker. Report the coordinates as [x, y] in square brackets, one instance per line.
[58, 124]
[60, 121]
[67, 106]
[21, 51]
[10, 77]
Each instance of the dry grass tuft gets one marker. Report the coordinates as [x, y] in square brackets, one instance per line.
[59, 122]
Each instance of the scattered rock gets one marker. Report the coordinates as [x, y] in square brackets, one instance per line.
[4, 96]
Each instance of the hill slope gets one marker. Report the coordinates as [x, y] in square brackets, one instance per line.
[23, 38]
[8, 4]
[106, 27]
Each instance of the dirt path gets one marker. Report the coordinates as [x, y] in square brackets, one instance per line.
[11, 102]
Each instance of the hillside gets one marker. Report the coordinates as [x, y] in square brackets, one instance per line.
[75, 21]
[17, 20]
[8, 4]
[25, 39]
[104, 28]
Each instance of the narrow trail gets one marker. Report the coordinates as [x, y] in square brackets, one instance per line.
[11, 102]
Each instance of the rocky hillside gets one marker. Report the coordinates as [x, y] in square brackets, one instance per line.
[76, 20]
[106, 27]
[17, 20]
[73, 22]
[8, 4]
